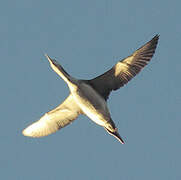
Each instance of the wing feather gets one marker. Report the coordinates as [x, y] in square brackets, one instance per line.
[54, 120]
[124, 70]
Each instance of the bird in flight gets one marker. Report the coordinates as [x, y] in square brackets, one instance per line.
[89, 97]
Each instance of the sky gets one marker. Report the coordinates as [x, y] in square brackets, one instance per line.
[87, 38]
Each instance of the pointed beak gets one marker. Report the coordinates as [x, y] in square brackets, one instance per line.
[116, 135]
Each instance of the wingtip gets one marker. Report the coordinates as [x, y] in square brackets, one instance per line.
[153, 42]
[156, 37]
[28, 131]
[24, 132]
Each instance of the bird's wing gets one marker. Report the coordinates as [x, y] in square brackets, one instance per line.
[124, 70]
[54, 120]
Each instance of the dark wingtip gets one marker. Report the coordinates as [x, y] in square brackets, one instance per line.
[155, 38]
[157, 35]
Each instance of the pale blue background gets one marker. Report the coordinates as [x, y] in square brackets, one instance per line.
[87, 38]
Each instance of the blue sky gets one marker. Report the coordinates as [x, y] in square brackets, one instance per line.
[88, 38]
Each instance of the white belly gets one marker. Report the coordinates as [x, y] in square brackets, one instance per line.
[92, 104]
[93, 115]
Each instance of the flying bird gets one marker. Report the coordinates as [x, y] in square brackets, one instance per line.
[89, 97]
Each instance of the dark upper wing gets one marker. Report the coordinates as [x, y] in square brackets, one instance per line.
[124, 70]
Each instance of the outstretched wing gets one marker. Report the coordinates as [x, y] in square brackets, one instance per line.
[124, 70]
[54, 120]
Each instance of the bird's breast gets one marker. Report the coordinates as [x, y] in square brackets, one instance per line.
[92, 104]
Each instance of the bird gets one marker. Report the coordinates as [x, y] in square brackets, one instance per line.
[89, 97]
